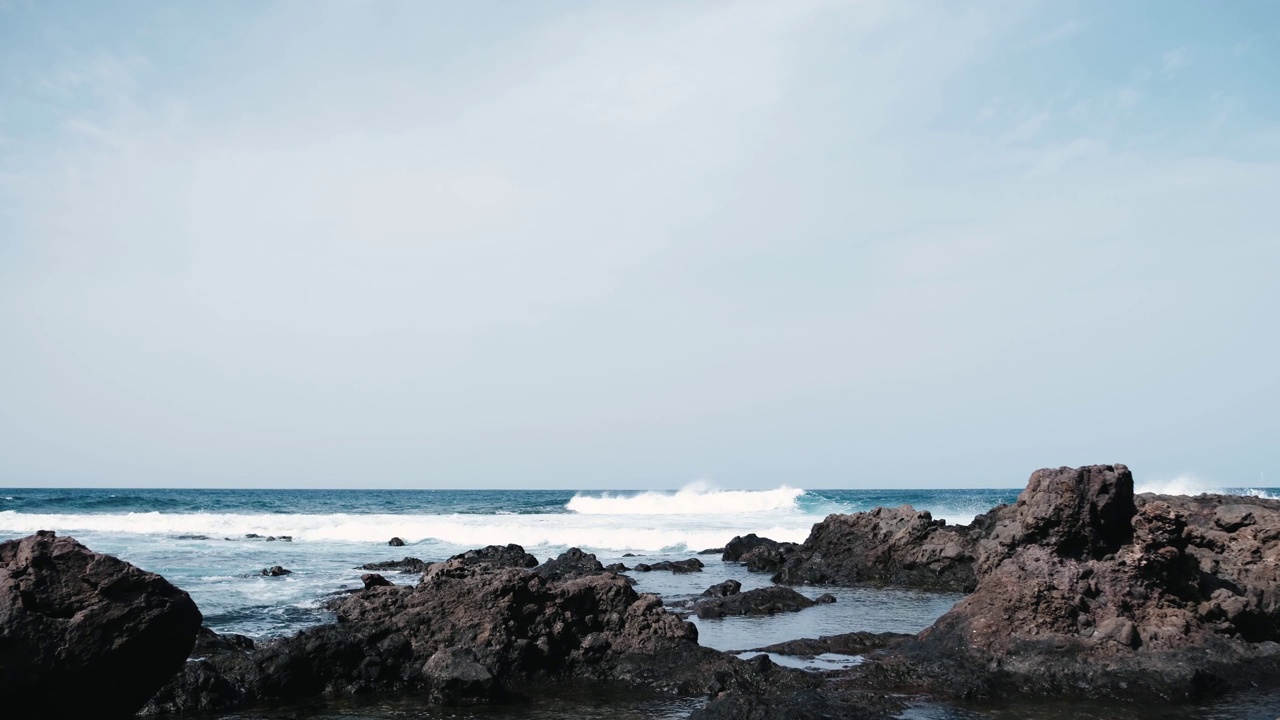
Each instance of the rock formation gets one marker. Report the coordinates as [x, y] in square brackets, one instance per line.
[469, 632]
[84, 634]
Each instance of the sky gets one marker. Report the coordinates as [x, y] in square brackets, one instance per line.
[634, 245]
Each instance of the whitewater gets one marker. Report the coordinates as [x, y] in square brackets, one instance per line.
[214, 543]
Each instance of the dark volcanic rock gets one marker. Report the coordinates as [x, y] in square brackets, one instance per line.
[763, 601]
[571, 563]
[84, 634]
[724, 589]
[896, 546]
[711, 551]
[372, 580]
[617, 568]
[678, 567]
[497, 556]
[1085, 590]
[395, 542]
[465, 634]
[407, 565]
[825, 599]
[209, 642]
[275, 571]
[759, 554]
[854, 643]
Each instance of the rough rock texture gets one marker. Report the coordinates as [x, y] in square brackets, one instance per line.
[571, 563]
[407, 565]
[1085, 590]
[373, 580]
[776, 693]
[468, 632]
[511, 555]
[724, 589]
[896, 546]
[678, 567]
[84, 634]
[762, 601]
[854, 643]
[759, 554]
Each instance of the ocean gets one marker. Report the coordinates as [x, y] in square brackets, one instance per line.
[214, 544]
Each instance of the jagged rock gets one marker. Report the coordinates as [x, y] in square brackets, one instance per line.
[896, 546]
[1086, 590]
[617, 568]
[456, 677]
[724, 589]
[407, 565]
[571, 563]
[84, 634]
[466, 633]
[373, 580]
[762, 601]
[275, 571]
[678, 567]
[395, 542]
[759, 554]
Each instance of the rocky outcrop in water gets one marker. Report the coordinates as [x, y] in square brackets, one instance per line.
[762, 601]
[895, 546]
[406, 565]
[468, 632]
[396, 542]
[759, 554]
[84, 634]
[1084, 588]
[678, 567]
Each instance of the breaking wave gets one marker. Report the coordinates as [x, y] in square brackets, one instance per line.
[694, 499]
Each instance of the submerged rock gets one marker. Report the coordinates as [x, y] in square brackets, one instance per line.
[395, 542]
[762, 601]
[84, 634]
[275, 571]
[854, 643]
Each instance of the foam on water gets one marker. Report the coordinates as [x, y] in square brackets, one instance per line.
[693, 499]
[590, 532]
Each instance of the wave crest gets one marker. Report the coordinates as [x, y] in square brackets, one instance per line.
[694, 499]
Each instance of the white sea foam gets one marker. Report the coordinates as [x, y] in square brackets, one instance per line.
[596, 533]
[694, 499]
[1181, 485]
[1260, 493]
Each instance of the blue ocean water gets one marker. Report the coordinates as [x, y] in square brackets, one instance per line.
[214, 543]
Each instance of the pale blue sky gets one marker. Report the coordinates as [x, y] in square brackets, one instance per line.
[828, 244]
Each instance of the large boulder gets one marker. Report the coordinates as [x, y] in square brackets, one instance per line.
[759, 554]
[1085, 589]
[84, 634]
[896, 546]
[762, 601]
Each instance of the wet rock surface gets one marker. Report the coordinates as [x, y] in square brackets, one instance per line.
[679, 567]
[759, 554]
[406, 565]
[84, 634]
[762, 601]
[854, 643]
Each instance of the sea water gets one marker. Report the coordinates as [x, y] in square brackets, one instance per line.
[202, 541]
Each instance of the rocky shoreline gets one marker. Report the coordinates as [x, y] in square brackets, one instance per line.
[1080, 588]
